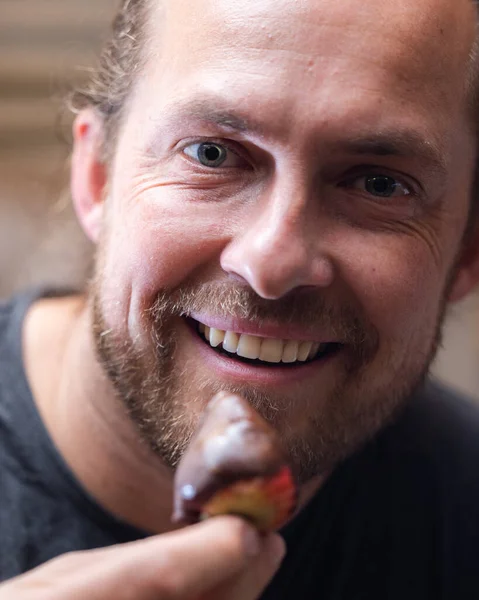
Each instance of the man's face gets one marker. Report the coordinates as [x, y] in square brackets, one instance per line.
[295, 172]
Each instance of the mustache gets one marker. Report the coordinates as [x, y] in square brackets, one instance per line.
[308, 309]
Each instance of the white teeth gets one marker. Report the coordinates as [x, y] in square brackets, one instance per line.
[230, 343]
[304, 350]
[266, 349]
[271, 350]
[216, 337]
[249, 346]
[290, 352]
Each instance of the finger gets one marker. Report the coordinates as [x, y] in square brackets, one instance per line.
[251, 583]
[197, 559]
[180, 565]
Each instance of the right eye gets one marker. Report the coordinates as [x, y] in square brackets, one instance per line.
[213, 155]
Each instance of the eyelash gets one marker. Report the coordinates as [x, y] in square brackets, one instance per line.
[366, 171]
[230, 146]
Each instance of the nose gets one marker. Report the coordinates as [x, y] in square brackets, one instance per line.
[278, 248]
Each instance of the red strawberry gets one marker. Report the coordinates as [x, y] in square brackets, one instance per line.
[235, 465]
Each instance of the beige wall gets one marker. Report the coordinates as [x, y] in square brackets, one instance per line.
[458, 361]
[46, 47]
[43, 46]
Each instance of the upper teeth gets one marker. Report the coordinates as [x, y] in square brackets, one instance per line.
[267, 349]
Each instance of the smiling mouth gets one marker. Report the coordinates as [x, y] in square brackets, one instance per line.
[262, 352]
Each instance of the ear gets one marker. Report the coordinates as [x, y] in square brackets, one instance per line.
[467, 268]
[88, 172]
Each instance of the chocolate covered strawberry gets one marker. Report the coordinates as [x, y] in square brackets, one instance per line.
[234, 465]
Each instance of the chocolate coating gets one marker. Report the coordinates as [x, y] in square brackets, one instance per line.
[233, 443]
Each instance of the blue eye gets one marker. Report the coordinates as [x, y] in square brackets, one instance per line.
[213, 155]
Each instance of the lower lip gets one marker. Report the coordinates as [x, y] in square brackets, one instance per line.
[240, 372]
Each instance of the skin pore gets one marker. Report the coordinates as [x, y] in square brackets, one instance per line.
[288, 238]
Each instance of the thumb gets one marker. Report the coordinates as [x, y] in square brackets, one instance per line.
[184, 564]
[257, 575]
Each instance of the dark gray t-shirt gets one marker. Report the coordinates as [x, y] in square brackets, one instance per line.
[399, 520]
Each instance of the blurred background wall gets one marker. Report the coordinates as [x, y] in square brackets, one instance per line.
[46, 47]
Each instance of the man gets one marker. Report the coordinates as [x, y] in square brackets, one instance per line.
[282, 198]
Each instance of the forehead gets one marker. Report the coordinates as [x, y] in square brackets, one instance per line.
[387, 29]
[431, 21]
[312, 56]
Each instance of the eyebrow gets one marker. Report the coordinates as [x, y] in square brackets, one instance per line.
[397, 142]
[226, 120]
[205, 110]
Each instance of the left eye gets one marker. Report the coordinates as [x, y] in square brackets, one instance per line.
[381, 186]
[213, 155]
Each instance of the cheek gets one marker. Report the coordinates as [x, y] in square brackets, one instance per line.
[162, 241]
[398, 284]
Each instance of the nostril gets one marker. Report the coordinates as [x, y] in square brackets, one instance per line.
[237, 278]
[274, 284]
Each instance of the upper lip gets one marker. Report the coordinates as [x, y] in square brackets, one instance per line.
[265, 329]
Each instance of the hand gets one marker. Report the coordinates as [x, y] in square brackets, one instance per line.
[223, 558]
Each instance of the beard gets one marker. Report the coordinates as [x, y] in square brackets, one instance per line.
[165, 398]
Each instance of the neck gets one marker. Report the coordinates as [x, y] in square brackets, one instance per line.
[86, 420]
[88, 423]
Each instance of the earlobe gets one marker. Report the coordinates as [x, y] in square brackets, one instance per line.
[88, 172]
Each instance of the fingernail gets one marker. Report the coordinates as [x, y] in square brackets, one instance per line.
[252, 542]
[277, 548]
